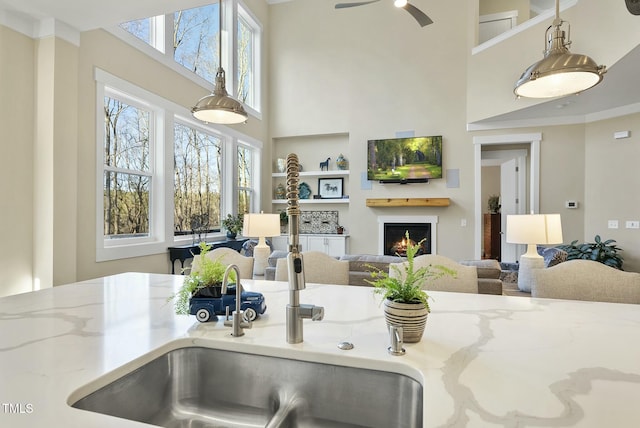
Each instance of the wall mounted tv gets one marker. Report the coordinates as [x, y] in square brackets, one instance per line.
[404, 160]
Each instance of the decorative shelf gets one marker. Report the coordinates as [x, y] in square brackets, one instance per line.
[314, 201]
[315, 173]
[408, 202]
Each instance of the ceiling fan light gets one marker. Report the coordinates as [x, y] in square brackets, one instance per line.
[399, 3]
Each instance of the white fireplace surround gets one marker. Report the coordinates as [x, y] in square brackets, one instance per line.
[405, 219]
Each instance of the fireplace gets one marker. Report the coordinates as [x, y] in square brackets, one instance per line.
[391, 235]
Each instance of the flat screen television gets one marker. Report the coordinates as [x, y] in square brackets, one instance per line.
[404, 160]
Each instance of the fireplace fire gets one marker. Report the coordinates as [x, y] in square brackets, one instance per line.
[392, 229]
[395, 241]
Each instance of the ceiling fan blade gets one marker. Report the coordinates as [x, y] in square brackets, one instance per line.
[362, 3]
[419, 16]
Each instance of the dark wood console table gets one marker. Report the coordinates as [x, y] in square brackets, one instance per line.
[184, 252]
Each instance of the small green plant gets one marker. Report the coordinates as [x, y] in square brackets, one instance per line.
[605, 252]
[406, 285]
[494, 204]
[233, 223]
[208, 273]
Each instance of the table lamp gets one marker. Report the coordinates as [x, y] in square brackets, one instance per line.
[260, 226]
[532, 229]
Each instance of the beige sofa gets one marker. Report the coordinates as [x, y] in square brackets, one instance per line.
[360, 266]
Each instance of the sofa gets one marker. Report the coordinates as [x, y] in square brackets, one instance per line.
[360, 266]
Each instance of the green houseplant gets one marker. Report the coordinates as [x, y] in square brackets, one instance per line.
[605, 252]
[205, 279]
[406, 303]
[233, 224]
[493, 204]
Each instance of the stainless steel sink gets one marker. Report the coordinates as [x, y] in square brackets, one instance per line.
[201, 387]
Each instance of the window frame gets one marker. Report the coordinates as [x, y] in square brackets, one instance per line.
[229, 61]
[161, 146]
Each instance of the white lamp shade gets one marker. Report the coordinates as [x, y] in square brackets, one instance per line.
[261, 225]
[534, 229]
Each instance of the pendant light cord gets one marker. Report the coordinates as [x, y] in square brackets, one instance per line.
[219, 34]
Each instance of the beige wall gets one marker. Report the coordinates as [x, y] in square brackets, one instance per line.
[487, 7]
[611, 184]
[377, 72]
[17, 67]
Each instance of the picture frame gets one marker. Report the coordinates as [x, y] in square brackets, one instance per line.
[330, 188]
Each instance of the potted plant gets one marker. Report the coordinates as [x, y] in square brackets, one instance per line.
[605, 252]
[284, 221]
[203, 281]
[494, 204]
[233, 224]
[406, 303]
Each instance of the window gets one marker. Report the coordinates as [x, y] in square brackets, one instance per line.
[127, 170]
[162, 177]
[195, 38]
[245, 178]
[197, 180]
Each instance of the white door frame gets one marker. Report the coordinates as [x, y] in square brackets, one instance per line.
[533, 140]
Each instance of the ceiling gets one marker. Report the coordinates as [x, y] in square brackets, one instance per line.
[615, 92]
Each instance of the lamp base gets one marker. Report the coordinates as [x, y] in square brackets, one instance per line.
[260, 258]
[525, 277]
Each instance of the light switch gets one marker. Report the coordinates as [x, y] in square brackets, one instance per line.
[613, 224]
[631, 224]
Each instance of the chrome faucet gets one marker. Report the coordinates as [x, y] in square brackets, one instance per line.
[296, 312]
[237, 322]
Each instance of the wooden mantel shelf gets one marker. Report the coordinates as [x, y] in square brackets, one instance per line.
[408, 202]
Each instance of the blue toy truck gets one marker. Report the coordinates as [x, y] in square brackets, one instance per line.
[207, 308]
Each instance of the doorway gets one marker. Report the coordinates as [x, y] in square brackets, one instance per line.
[514, 181]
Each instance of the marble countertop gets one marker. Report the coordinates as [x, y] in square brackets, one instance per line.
[484, 360]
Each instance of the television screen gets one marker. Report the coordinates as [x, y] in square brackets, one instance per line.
[404, 160]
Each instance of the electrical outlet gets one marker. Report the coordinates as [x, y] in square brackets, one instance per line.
[613, 224]
[633, 224]
[463, 222]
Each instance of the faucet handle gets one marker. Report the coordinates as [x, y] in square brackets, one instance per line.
[396, 336]
[316, 313]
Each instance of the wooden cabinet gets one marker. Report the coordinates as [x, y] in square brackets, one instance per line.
[492, 236]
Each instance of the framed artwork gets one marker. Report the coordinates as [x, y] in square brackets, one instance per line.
[330, 188]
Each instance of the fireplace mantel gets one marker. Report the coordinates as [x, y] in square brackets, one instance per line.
[408, 202]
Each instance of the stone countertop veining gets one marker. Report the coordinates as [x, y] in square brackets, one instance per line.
[484, 360]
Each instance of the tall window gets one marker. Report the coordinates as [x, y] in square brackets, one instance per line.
[246, 41]
[245, 178]
[127, 169]
[194, 45]
[197, 180]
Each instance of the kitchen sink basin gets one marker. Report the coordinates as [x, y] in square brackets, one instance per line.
[202, 387]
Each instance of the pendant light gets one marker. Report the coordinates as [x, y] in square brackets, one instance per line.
[219, 107]
[560, 72]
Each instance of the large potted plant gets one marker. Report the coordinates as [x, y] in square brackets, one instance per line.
[205, 280]
[233, 224]
[605, 252]
[405, 301]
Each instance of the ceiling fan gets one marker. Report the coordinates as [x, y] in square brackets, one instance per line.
[417, 14]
